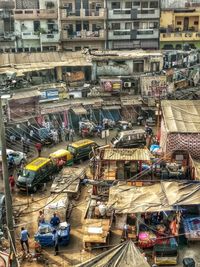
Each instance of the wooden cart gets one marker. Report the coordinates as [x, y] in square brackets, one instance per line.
[96, 233]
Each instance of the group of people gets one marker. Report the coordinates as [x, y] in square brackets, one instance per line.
[69, 134]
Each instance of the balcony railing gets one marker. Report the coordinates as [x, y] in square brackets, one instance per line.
[147, 33]
[30, 36]
[7, 37]
[119, 34]
[50, 37]
[27, 14]
[128, 13]
[83, 13]
[84, 35]
[180, 36]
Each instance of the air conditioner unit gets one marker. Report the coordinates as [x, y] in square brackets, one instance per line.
[127, 84]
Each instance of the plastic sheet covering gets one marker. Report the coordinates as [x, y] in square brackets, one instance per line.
[156, 197]
[59, 205]
[125, 254]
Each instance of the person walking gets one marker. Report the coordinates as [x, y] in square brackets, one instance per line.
[66, 134]
[71, 134]
[12, 183]
[38, 147]
[24, 239]
[41, 218]
[55, 239]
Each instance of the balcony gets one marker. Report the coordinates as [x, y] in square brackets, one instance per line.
[5, 14]
[7, 4]
[50, 38]
[84, 36]
[179, 36]
[147, 34]
[32, 14]
[7, 37]
[134, 14]
[30, 36]
[119, 34]
[119, 14]
[83, 14]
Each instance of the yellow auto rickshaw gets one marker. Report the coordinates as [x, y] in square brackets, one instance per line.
[62, 155]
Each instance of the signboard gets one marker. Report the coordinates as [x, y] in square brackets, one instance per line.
[105, 133]
[111, 85]
[49, 95]
[154, 86]
[75, 76]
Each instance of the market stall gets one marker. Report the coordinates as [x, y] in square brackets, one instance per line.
[96, 232]
[68, 181]
[121, 164]
[192, 228]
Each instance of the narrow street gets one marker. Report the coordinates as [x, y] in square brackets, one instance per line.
[72, 254]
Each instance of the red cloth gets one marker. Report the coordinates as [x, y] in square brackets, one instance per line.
[38, 146]
[12, 181]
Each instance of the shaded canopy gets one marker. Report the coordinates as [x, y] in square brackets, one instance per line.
[156, 197]
[125, 254]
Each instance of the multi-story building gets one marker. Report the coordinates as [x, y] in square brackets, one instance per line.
[7, 37]
[36, 25]
[180, 26]
[133, 24]
[83, 24]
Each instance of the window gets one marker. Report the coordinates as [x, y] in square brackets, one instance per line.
[136, 24]
[121, 11]
[128, 4]
[155, 66]
[121, 33]
[154, 4]
[179, 23]
[138, 66]
[115, 5]
[153, 25]
[128, 25]
[136, 3]
[115, 26]
[36, 26]
[144, 4]
[196, 23]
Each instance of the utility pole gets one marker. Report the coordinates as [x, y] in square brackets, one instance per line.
[8, 198]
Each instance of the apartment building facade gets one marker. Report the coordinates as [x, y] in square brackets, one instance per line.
[133, 24]
[7, 36]
[180, 27]
[36, 25]
[71, 25]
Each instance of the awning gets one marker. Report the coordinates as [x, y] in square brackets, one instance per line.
[27, 94]
[111, 107]
[125, 254]
[80, 110]
[161, 196]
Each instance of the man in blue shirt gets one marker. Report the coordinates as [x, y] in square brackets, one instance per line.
[55, 221]
[24, 239]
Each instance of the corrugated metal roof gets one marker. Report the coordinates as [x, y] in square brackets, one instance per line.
[27, 94]
[79, 110]
[127, 154]
[111, 107]
[181, 116]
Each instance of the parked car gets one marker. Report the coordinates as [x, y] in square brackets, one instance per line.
[81, 149]
[129, 139]
[42, 135]
[35, 174]
[19, 157]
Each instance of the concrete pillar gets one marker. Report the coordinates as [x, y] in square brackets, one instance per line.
[94, 71]
[59, 73]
